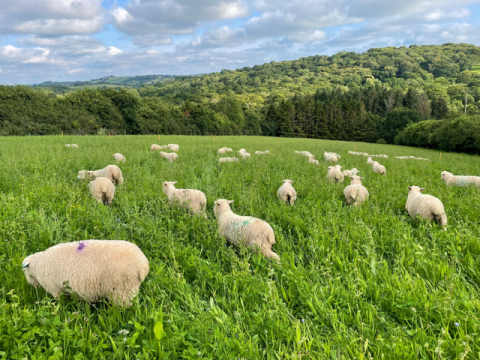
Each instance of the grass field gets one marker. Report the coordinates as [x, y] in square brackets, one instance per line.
[353, 283]
[476, 67]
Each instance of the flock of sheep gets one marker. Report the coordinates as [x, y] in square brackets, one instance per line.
[114, 269]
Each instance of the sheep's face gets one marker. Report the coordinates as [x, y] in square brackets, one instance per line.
[83, 174]
[28, 265]
[168, 184]
[415, 190]
[221, 205]
[445, 175]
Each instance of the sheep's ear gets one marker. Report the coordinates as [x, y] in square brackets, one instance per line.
[229, 201]
[361, 178]
[409, 188]
[25, 265]
[422, 189]
[174, 182]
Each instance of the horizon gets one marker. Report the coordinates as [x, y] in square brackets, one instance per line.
[80, 40]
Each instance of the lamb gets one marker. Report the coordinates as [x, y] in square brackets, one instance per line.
[228, 159]
[312, 160]
[304, 153]
[169, 156]
[228, 150]
[353, 172]
[92, 269]
[287, 193]
[157, 147]
[411, 157]
[111, 172]
[335, 174]
[244, 155]
[71, 145]
[355, 193]
[245, 230]
[378, 168]
[369, 161]
[458, 180]
[425, 206]
[173, 147]
[242, 151]
[102, 190]
[330, 157]
[119, 157]
[192, 199]
[359, 153]
[266, 152]
[402, 157]
[222, 150]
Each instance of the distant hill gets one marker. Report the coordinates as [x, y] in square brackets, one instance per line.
[116, 82]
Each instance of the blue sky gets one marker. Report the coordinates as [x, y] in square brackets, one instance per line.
[85, 39]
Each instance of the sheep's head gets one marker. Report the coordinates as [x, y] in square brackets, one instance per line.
[28, 265]
[338, 167]
[415, 190]
[445, 175]
[83, 174]
[169, 184]
[221, 205]
[356, 179]
[286, 181]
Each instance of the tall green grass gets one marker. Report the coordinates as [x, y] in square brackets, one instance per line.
[353, 283]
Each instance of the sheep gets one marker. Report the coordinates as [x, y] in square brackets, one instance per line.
[287, 193]
[338, 156]
[379, 168]
[245, 230]
[192, 199]
[335, 174]
[71, 145]
[242, 151]
[173, 147]
[102, 190]
[228, 150]
[458, 180]
[369, 161]
[91, 269]
[425, 206]
[228, 159]
[119, 157]
[266, 152]
[111, 172]
[402, 157]
[169, 156]
[312, 160]
[157, 147]
[330, 157]
[360, 153]
[222, 150]
[244, 155]
[304, 153]
[411, 157]
[355, 193]
[353, 172]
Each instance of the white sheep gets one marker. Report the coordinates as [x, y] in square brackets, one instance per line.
[111, 172]
[91, 269]
[349, 173]
[355, 193]
[71, 145]
[369, 161]
[244, 230]
[173, 147]
[157, 147]
[335, 174]
[192, 199]
[222, 150]
[228, 150]
[169, 156]
[381, 156]
[402, 157]
[244, 155]
[119, 157]
[287, 193]
[242, 151]
[228, 159]
[102, 190]
[425, 206]
[312, 160]
[304, 153]
[330, 157]
[379, 168]
[266, 152]
[459, 180]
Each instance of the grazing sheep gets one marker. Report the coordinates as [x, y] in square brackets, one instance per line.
[244, 155]
[244, 230]
[192, 199]
[312, 160]
[335, 174]
[169, 156]
[228, 150]
[355, 193]
[242, 151]
[266, 152]
[228, 159]
[119, 157]
[102, 190]
[330, 157]
[71, 145]
[425, 206]
[359, 153]
[411, 157]
[379, 168]
[458, 180]
[369, 161]
[353, 172]
[173, 147]
[382, 156]
[222, 150]
[111, 172]
[402, 157]
[304, 153]
[92, 269]
[287, 193]
[157, 147]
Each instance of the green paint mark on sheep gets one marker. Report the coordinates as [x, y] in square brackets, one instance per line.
[462, 182]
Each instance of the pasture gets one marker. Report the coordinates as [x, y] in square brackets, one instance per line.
[353, 283]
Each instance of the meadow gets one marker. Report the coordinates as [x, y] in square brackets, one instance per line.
[353, 283]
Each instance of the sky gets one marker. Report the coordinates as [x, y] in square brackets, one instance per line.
[65, 40]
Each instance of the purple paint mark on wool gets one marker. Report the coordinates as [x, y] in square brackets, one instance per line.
[81, 246]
